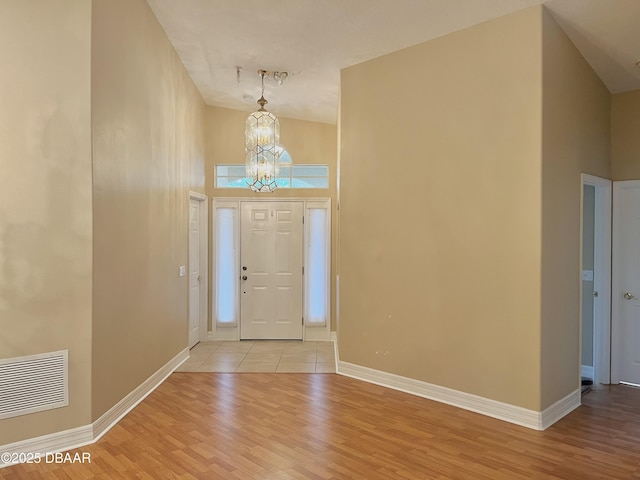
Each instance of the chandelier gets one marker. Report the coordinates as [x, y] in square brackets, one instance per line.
[262, 135]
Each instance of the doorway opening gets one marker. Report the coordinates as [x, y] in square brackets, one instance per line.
[595, 331]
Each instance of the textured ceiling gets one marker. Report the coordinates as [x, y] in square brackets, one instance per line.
[314, 39]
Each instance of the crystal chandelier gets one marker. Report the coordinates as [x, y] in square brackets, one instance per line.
[262, 134]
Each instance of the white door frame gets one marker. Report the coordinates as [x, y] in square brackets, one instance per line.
[232, 331]
[602, 276]
[204, 263]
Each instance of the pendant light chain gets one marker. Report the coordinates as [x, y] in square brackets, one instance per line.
[262, 101]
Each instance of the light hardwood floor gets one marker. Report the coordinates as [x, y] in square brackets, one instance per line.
[310, 426]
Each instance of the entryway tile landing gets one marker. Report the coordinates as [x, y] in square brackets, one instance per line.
[261, 356]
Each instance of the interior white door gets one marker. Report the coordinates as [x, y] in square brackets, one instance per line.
[194, 271]
[597, 294]
[271, 256]
[589, 272]
[625, 328]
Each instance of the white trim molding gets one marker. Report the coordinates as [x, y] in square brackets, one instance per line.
[467, 401]
[128, 403]
[54, 442]
[334, 339]
[561, 408]
[198, 196]
[88, 434]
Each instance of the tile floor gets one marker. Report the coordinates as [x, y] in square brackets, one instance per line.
[263, 356]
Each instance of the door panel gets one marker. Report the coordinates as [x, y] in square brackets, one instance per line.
[271, 250]
[256, 252]
[283, 247]
[626, 283]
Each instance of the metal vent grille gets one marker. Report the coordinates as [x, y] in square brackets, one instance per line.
[33, 383]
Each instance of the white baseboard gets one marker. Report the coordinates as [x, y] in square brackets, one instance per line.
[334, 339]
[54, 442]
[587, 371]
[88, 434]
[562, 407]
[124, 406]
[485, 406]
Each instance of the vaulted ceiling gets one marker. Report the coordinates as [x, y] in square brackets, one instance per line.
[223, 43]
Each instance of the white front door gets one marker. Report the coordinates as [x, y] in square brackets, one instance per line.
[271, 270]
[194, 271]
[625, 328]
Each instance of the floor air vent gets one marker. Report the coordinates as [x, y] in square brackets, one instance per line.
[33, 383]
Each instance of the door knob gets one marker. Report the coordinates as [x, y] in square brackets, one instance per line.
[630, 296]
[244, 277]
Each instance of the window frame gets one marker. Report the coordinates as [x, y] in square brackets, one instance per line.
[291, 177]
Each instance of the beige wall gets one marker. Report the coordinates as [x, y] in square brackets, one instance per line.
[148, 149]
[625, 139]
[575, 139]
[45, 198]
[460, 201]
[440, 206]
[307, 143]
